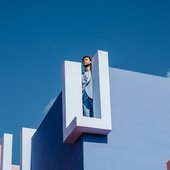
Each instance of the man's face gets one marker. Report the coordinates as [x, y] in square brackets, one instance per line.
[86, 62]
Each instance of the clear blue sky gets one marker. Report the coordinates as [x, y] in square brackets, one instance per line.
[37, 36]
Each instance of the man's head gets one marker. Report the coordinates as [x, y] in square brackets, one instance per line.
[87, 61]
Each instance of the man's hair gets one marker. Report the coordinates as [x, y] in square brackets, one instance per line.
[86, 56]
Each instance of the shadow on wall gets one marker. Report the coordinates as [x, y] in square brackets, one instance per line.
[48, 150]
[95, 138]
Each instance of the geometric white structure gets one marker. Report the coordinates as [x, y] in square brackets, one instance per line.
[74, 123]
[6, 152]
[26, 136]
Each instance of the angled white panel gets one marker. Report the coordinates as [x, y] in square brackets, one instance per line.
[74, 123]
[6, 152]
[26, 136]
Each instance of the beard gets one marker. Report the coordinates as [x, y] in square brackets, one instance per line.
[87, 65]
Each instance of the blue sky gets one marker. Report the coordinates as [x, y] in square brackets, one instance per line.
[37, 36]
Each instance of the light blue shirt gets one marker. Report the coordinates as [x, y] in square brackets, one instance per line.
[87, 85]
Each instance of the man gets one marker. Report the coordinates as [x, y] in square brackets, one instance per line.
[87, 96]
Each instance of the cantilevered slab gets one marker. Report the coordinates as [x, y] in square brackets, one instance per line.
[74, 123]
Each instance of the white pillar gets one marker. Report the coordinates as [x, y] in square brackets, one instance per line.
[26, 136]
[6, 152]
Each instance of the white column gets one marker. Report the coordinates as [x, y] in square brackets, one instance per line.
[26, 136]
[6, 152]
